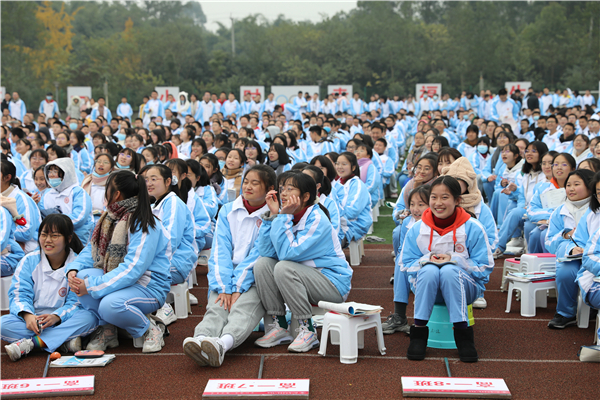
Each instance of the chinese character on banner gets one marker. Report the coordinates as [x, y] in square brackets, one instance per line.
[339, 90]
[514, 89]
[423, 383]
[226, 386]
[430, 90]
[484, 384]
[251, 93]
[287, 385]
[71, 383]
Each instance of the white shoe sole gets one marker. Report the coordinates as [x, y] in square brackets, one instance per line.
[194, 351]
[193, 300]
[154, 348]
[304, 349]
[109, 345]
[167, 321]
[283, 340]
[212, 352]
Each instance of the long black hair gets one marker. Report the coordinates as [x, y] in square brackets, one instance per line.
[327, 164]
[260, 156]
[131, 186]
[165, 173]
[59, 151]
[317, 174]
[60, 223]
[283, 156]
[541, 149]
[354, 167]
[214, 161]
[177, 164]
[197, 169]
[594, 201]
[8, 168]
[305, 184]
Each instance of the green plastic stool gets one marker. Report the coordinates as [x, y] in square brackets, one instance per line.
[441, 335]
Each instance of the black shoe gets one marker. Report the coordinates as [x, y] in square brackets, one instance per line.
[392, 280]
[560, 322]
[465, 343]
[418, 342]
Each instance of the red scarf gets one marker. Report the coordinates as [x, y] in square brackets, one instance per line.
[298, 216]
[252, 209]
[554, 182]
[460, 218]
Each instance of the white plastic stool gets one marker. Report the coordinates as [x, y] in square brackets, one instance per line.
[357, 252]
[538, 262]
[533, 294]
[191, 278]
[180, 296]
[510, 265]
[583, 312]
[5, 286]
[351, 334]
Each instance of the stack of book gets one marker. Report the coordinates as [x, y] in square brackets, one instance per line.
[531, 276]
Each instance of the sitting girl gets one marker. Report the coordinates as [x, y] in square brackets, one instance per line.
[353, 200]
[504, 198]
[323, 190]
[95, 183]
[123, 274]
[368, 172]
[44, 313]
[448, 259]
[234, 167]
[12, 253]
[561, 229]
[213, 167]
[301, 262]
[234, 307]
[278, 159]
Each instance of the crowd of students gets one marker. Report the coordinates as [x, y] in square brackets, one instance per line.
[101, 214]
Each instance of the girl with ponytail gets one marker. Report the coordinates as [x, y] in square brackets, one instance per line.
[123, 273]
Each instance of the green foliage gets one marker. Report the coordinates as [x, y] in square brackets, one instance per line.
[384, 47]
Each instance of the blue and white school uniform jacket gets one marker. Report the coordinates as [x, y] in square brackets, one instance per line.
[535, 211]
[311, 242]
[388, 169]
[478, 162]
[589, 226]
[234, 251]
[354, 203]
[184, 150]
[561, 221]
[488, 170]
[28, 233]
[27, 181]
[318, 149]
[475, 258]
[208, 196]
[334, 212]
[485, 218]
[373, 182]
[145, 264]
[201, 218]
[466, 149]
[70, 198]
[178, 227]
[82, 160]
[11, 251]
[38, 289]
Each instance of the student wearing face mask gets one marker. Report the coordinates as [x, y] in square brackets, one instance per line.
[562, 227]
[95, 183]
[479, 160]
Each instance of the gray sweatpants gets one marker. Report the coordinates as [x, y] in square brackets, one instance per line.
[294, 284]
[239, 322]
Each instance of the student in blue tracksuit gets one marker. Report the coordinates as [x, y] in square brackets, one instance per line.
[448, 259]
[368, 172]
[234, 307]
[469, 146]
[535, 170]
[504, 198]
[80, 155]
[178, 226]
[67, 197]
[123, 273]
[588, 236]
[317, 145]
[479, 160]
[324, 190]
[301, 262]
[538, 212]
[25, 235]
[213, 167]
[39, 294]
[11, 251]
[418, 202]
[201, 183]
[561, 228]
[353, 200]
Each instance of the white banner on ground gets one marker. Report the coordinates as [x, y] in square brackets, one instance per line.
[285, 94]
[333, 89]
[46, 387]
[250, 388]
[429, 88]
[512, 86]
[165, 91]
[81, 91]
[425, 386]
[253, 91]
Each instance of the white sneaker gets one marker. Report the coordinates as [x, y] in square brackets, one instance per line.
[202, 260]
[497, 253]
[19, 349]
[480, 303]
[193, 300]
[215, 351]
[72, 346]
[192, 347]
[105, 337]
[516, 242]
[274, 337]
[153, 339]
[305, 341]
[166, 314]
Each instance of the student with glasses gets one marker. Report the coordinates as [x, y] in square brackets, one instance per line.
[128, 160]
[95, 183]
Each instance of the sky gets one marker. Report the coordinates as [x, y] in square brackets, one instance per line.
[220, 11]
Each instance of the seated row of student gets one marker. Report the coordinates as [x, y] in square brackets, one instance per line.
[44, 313]
[123, 274]
[178, 226]
[448, 254]
[539, 211]
[571, 221]
[25, 235]
[536, 169]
